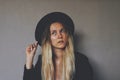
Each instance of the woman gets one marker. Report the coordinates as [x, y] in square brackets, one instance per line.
[58, 61]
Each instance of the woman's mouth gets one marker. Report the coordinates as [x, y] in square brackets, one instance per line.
[60, 42]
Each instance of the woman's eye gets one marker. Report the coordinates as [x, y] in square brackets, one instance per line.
[53, 33]
[63, 30]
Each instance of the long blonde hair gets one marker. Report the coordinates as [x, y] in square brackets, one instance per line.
[47, 70]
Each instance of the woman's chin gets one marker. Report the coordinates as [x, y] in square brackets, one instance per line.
[60, 47]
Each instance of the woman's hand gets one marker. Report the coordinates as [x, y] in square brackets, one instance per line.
[30, 53]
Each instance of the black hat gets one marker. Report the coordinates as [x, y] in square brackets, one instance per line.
[50, 18]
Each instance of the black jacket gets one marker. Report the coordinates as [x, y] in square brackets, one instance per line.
[83, 70]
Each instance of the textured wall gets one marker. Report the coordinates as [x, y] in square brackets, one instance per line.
[97, 26]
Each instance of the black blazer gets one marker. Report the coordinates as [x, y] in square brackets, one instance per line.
[83, 70]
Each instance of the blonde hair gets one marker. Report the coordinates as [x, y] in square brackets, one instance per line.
[47, 70]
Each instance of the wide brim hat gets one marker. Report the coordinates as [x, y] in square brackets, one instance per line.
[50, 18]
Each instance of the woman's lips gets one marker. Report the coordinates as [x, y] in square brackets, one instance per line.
[60, 41]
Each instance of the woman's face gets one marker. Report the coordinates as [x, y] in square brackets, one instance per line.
[58, 36]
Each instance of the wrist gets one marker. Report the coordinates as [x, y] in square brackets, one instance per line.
[29, 63]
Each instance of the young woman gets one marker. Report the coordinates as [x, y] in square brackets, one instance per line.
[58, 61]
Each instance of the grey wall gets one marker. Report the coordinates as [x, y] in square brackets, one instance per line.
[97, 26]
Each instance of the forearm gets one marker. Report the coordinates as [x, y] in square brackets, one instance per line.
[29, 74]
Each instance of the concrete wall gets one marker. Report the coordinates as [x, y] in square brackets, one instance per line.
[97, 27]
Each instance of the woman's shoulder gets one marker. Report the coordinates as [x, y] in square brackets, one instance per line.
[80, 56]
[83, 68]
[81, 59]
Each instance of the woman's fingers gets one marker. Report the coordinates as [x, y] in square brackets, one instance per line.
[28, 49]
[35, 45]
[32, 48]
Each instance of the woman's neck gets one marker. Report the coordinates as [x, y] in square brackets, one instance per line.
[58, 53]
[58, 56]
[58, 63]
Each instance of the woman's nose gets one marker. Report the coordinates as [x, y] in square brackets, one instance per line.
[59, 35]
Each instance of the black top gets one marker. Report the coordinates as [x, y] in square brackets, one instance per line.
[83, 70]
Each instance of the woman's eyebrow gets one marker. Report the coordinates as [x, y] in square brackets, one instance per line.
[53, 30]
